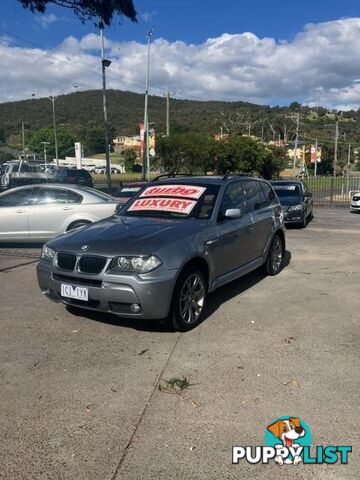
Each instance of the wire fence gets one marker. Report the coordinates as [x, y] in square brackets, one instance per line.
[327, 191]
[333, 191]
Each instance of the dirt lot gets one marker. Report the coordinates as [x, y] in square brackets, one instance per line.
[79, 394]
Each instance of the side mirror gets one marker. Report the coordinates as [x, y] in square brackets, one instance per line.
[233, 213]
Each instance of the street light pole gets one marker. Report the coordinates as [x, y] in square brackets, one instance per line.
[52, 99]
[146, 155]
[45, 157]
[105, 63]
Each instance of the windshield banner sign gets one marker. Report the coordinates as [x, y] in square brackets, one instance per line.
[188, 191]
[175, 205]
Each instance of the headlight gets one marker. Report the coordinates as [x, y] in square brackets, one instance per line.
[47, 253]
[296, 208]
[135, 264]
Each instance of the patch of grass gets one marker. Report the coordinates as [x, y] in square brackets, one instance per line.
[177, 386]
[176, 383]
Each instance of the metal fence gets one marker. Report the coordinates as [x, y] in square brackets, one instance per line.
[333, 191]
[327, 191]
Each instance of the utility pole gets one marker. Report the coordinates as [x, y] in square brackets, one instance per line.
[52, 99]
[45, 157]
[336, 145]
[296, 119]
[23, 138]
[105, 63]
[316, 152]
[262, 133]
[167, 95]
[146, 155]
[348, 169]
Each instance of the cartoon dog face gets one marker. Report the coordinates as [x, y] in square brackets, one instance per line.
[287, 430]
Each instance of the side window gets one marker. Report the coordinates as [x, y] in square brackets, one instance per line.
[15, 168]
[50, 196]
[13, 199]
[233, 197]
[74, 197]
[252, 195]
[25, 168]
[268, 193]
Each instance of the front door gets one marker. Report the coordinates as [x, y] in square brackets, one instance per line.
[14, 215]
[233, 247]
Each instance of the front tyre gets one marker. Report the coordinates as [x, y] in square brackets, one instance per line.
[188, 303]
[275, 258]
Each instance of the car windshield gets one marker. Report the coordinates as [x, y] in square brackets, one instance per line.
[287, 190]
[174, 201]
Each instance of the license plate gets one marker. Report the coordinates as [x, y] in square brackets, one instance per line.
[72, 291]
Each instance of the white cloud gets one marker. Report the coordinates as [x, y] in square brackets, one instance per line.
[318, 66]
[148, 16]
[46, 20]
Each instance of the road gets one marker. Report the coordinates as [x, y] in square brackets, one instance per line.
[79, 394]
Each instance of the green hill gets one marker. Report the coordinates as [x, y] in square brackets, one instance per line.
[82, 110]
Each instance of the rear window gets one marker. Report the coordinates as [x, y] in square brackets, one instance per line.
[97, 193]
[174, 201]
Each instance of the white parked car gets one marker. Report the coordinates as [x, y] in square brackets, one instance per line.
[36, 213]
[355, 202]
[99, 170]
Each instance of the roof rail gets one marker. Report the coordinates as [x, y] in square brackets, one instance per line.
[240, 174]
[172, 175]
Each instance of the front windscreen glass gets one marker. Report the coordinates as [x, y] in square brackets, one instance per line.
[174, 201]
[287, 190]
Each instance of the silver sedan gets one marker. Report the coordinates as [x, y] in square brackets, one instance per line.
[37, 213]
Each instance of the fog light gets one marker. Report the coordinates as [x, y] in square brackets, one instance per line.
[135, 308]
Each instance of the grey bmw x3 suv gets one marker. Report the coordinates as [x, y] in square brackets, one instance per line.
[173, 243]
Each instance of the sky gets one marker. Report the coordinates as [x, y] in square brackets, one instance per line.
[260, 51]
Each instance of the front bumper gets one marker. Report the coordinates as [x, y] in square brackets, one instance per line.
[294, 217]
[113, 293]
[355, 206]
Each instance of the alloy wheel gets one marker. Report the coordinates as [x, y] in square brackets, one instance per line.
[192, 297]
[276, 254]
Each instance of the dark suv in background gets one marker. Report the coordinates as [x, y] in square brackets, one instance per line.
[172, 244]
[296, 200]
[74, 176]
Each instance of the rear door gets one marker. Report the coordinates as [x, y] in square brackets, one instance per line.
[233, 247]
[14, 214]
[258, 205]
[52, 206]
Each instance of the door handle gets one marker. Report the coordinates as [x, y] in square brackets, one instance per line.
[211, 242]
[249, 229]
[67, 208]
[20, 211]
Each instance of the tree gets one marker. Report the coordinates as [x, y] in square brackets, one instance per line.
[5, 157]
[65, 142]
[129, 156]
[92, 140]
[2, 135]
[196, 153]
[93, 10]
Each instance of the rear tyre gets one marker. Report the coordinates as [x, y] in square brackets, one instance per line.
[77, 224]
[188, 302]
[275, 258]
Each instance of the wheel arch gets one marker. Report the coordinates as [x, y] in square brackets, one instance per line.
[196, 262]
